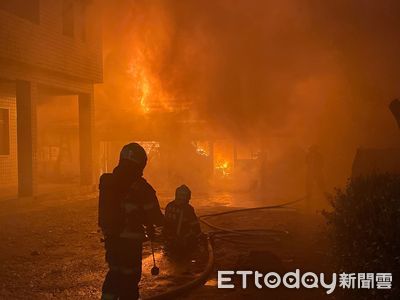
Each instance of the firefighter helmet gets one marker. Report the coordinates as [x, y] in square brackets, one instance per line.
[183, 193]
[135, 153]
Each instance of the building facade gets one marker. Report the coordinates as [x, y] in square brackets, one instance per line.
[47, 47]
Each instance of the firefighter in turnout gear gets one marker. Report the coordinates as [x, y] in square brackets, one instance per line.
[128, 206]
[181, 228]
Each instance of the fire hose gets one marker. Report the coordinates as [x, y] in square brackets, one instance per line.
[200, 279]
[230, 235]
[227, 235]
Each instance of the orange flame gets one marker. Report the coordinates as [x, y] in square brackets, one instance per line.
[223, 167]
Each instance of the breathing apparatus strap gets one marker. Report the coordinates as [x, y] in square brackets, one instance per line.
[179, 228]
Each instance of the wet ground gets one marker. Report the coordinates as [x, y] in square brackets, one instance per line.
[50, 249]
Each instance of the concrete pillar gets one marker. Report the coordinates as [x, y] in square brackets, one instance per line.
[26, 96]
[86, 140]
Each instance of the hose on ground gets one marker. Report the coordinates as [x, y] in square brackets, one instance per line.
[170, 294]
[282, 205]
[243, 232]
[228, 235]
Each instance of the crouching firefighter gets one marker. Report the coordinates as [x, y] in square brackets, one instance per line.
[128, 205]
[181, 229]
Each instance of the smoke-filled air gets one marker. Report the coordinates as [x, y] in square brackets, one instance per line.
[200, 149]
[273, 77]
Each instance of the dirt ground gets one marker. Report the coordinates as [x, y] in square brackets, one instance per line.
[51, 249]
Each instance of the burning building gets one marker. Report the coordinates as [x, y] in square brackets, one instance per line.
[47, 49]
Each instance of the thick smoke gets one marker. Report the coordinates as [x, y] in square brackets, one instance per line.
[283, 74]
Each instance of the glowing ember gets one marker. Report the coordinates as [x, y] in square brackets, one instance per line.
[201, 148]
[201, 151]
[223, 168]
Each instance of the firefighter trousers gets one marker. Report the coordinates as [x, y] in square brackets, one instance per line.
[124, 258]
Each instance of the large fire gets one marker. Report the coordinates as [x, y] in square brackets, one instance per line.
[142, 88]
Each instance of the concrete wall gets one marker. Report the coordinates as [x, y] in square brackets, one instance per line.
[43, 45]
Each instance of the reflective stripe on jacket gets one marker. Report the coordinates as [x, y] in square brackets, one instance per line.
[180, 220]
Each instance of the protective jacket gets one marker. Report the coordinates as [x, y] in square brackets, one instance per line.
[127, 204]
[181, 221]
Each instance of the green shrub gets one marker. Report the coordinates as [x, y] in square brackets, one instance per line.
[364, 226]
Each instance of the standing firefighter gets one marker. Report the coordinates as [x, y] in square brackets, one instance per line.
[128, 206]
[181, 229]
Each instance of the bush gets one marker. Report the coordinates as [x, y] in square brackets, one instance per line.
[365, 230]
